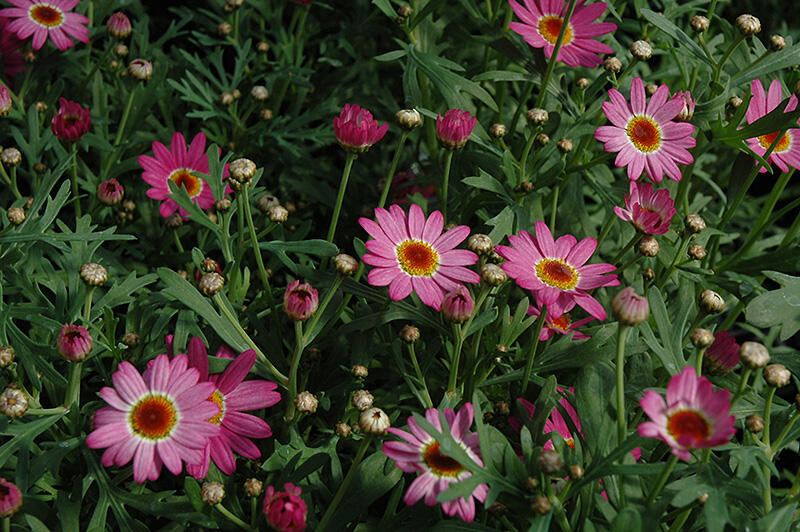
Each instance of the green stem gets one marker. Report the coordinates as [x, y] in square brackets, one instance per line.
[345, 485]
[526, 375]
[554, 57]
[767, 412]
[46, 411]
[718, 69]
[74, 386]
[766, 489]
[698, 366]
[226, 236]
[348, 165]
[779, 440]
[7, 524]
[232, 518]
[262, 272]
[742, 385]
[522, 104]
[120, 131]
[622, 422]
[662, 479]
[299, 347]
[448, 160]
[393, 168]
[629, 245]
[677, 525]
[420, 376]
[680, 252]
[74, 182]
[556, 191]
[177, 238]
[14, 188]
[459, 339]
[523, 161]
[87, 306]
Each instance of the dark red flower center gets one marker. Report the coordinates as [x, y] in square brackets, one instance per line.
[46, 15]
[550, 26]
[562, 322]
[644, 133]
[440, 465]
[417, 258]
[688, 423]
[153, 417]
[184, 178]
[556, 272]
[767, 140]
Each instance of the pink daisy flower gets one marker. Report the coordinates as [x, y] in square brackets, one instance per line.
[181, 166]
[787, 151]
[649, 210]
[356, 130]
[159, 417]
[10, 498]
[542, 21]
[560, 324]
[47, 18]
[722, 355]
[233, 396]
[645, 135]
[11, 61]
[454, 128]
[555, 422]
[556, 271]
[420, 453]
[411, 254]
[694, 416]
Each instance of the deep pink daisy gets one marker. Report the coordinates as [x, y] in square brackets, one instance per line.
[562, 324]
[11, 61]
[542, 21]
[555, 422]
[645, 135]
[181, 166]
[233, 396]
[649, 210]
[159, 417]
[420, 453]
[356, 130]
[454, 128]
[694, 416]
[411, 254]
[787, 152]
[47, 18]
[556, 271]
[722, 355]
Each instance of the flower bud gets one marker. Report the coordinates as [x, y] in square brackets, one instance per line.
[480, 243]
[648, 274]
[140, 69]
[224, 29]
[457, 306]
[641, 50]
[119, 25]
[754, 423]
[699, 23]
[777, 375]
[363, 400]
[702, 338]
[542, 139]
[754, 355]
[5, 101]
[409, 334]
[306, 402]
[711, 302]
[129, 205]
[651, 88]
[285, 510]
[493, 275]
[575, 472]
[696, 252]
[11, 156]
[300, 301]
[16, 215]
[374, 421]
[537, 116]
[131, 339]
[531, 484]
[226, 98]
[242, 170]
[695, 223]
[212, 492]
[549, 462]
[121, 50]
[266, 115]
[277, 214]
[689, 104]
[342, 430]
[405, 11]
[748, 24]
[583, 83]
[13, 402]
[29, 56]
[345, 264]
[259, 93]
[564, 145]
[174, 220]
[359, 371]
[408, 118]
[630, 308]
[253, 487]
[74, 342]
[497, 131]
[777, 43]
[211, 283]
[648, 246]
[266, 201]
[262, 47]
[110, 192]
[11, 499]
[612, 64]
[94, 274]
[6, 356]
[541, 505]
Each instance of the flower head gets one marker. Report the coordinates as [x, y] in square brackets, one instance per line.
[47, 18]
[454, 128]
[74, 342]
[457, 305]
[285, 510]
[119, 25]
[786, 152]
[110, 192]
[649, 210]
[420, 453]
[722, 355]
[71, 122]
[687, 112]
[556, 271]
[300, 301]
[181, 165]
[10, 498]
[233, 395]
[159, 417]
[542, 21]
[694, 416]
[645, 135]
[562, 324]
[356, 130]
[410, 253]
[630, 308]
[5, 101]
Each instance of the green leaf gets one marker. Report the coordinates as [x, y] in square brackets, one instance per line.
[775, 61]
[121, 293]
[390, 56]
[485, 181]
[503, 224]
[627, 520]
[181, 197]
[24, 434]
[777, 307]
[775, 120]
[676, 33]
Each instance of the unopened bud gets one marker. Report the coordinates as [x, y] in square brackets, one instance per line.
[550, 462]
[226, 98]
[94, 274]
[641, 50]
[362, 400]
[583, 83]
[262, 47]
[497, 131]
[13, 402]
[612, 64]
[140, 69]
[222, 205]
[409, 333]
[777, 375]
[564, 145]
[306, 402]
[359, 371]
[259, 93]
[405, 11]
[408, 118]
[11, 156]
[699, 23]
[492, 274]
[174, 220]
[630, 308]
[702, 338]
[754, 355]
[537, 116]
[266, 115]
[266, 201]
[648, 246]
[374, 421]
[696, 252]
[695, 223]
[16, 215]
[541, 505]
[711, 302]
[342, 430]
[6, 356]
[121, 50]
[575, 472]
[748, 24]
[480, 243]
[777, 43]
[531, 484]
[253, 487]
[542, 139]
[224, 29]
[131, 339]
[648, 274]
[212, 492]
[345, 264]
[754, 423]
[278, 214]
[211, 283]
[242, 170]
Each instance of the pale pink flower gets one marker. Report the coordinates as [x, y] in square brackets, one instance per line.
[454, 128]
[411, 254]
[285, 510]
[645, 135]
[689, 103]
[649, 210]
[356, 130]
[556, 271]
[47, 18]
[420, 453]
[542, 21]
[787, 152]
[694, 416]
[562, 324]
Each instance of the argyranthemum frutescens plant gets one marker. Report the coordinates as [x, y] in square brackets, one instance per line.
[555, 292]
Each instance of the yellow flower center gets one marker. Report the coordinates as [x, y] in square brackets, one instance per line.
[183, 177]
[549, 27]
[644, 133]
[688, 422]
[556, 272]
[767, 140]
[218, 399]
[45, 15]
[562, 323]
[153, 417]
[439, 464]
[417, 258]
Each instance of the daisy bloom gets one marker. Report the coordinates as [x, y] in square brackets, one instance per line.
[649, 210]
[356, 130]
[722, 355]
[555, 422]
[160, 417]
[787, 152]
[542, 21]
[562, 324]
[411, 254]
[180, 165]
[646, 135]
[71, 122]
[454, 128]
[233, 396]
[556, 271]
[694, 416]
[47, 18]
[420, 453]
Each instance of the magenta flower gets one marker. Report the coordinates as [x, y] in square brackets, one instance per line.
[787, 152]
[300, 301]
[556, 271]
[5, 101]
[555, 422]
[181, 166]
[562, 324]
[74, 342]
[646, 136]
[356, 130]
[689, 103]
[47, 18]
[119, 25]
[285, 510]
[233, 395]
[649, 210]
[71, 122]
[10, 498]
[110, 192]
[411, 254]
[454, 128]
[12, 62]
[457, 306]
[542, 21]
[694, 416]
[420, 453]
[722, 355]
[160, 417]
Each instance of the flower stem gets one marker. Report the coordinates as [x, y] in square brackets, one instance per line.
[554, 56]
[629, 245]
[348, 165]
[523, 160]
[46, 411]
[74, 181]
[120, 131]
[766, 489]
[262, 272]
[523, 103]
[663, 277]
[392, 169]
[299, 347]
[87, 306]
[458, 335]
[698, 366]
[556, 190]
[343, 487]
[742, 384]
[73, 395]
[526, 375]
[177, 238]
[622, 422]
[425, 394]
[662, 479]
[232, 518]
[718, 69]
[779, 440]
[448, 159]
